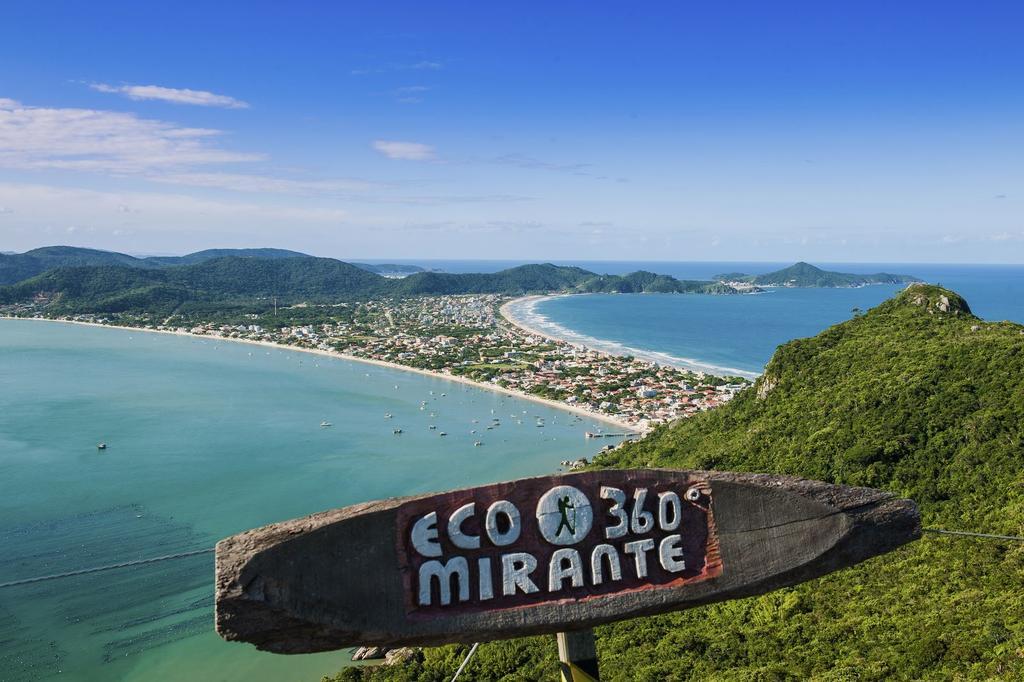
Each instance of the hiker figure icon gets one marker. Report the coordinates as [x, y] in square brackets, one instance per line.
[567, 509]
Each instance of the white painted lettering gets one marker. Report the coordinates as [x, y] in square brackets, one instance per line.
[486, 583]
[617, 512]
[639, 549]
[669, 505]
[513, 521]
[458, 538]
[643, 521]
[515, 573]
[558, 570]
[597, 570]
[456, 567]
[424, 536]
[671, 554]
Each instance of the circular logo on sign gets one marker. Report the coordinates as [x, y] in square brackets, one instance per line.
[564, 515]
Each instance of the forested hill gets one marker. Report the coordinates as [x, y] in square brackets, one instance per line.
[257, 281]
[16, 267]
[807, 275]
[917, 396]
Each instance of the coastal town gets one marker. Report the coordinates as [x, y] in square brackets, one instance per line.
[467, 337]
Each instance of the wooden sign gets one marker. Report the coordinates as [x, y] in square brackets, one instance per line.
[541, 555]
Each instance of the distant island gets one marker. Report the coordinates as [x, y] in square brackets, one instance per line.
[64, 279]
[806, 275]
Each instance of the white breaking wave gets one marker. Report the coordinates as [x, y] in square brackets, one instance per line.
[524, 313]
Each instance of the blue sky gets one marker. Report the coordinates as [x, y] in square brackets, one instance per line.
[686, 131]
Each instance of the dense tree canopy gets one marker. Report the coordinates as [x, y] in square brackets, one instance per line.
[917, 396]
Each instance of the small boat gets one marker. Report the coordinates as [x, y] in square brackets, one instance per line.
[478, 443]
[324, 425]
[387, 415]
[473, 431]
[101, 446]
[397, 431]
[442, 434]
[432, 427]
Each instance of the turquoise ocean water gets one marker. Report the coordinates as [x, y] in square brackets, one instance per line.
[738, 334]
[208, 438]
[205, 439]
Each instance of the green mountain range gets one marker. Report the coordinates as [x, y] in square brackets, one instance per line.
[917, 396]
[806, 275]
[90, 281]
[15, 267]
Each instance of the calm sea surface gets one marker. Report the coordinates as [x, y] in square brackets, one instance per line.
[205, 439]
[210, 438]
[739, 333]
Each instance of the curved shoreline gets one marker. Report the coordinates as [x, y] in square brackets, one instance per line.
[507, 312]
[608, 419]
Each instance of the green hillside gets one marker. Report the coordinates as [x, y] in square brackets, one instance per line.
[210, 254]
[257, 280]
[16, 267]
[917, 396]
[649, 282]
[105, 289]
[806, 275]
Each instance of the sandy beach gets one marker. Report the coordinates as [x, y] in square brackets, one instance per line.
[607, 419]
[507, 311]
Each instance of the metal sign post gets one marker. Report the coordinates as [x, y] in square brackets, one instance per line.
[555, 554]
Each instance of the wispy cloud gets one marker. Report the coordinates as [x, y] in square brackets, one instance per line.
[422, 65]
[491, 226]
[122, 144]
[410, 94]
[530, 163]
[409, 151]
[107, 141]
[523, 161]
[200, 98]
[243, 182]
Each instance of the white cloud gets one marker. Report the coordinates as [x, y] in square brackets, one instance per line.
[117, 143]
[200, 98]
[427, 66]
[411, 151]
[105, 141]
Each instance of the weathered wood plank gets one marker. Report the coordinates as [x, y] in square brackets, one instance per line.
[356, 575]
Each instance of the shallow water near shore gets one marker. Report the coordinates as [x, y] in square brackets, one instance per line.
[739, 334]
[205, 438]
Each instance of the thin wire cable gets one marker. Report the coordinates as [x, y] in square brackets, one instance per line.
[197, 552]
[472, 650]
[966, 534]
[98, 569]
